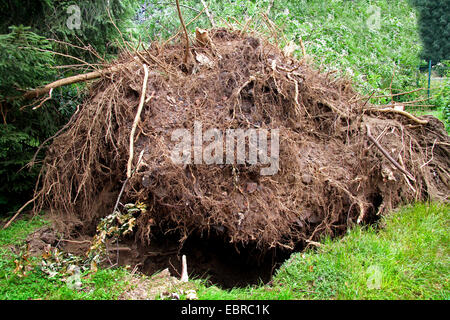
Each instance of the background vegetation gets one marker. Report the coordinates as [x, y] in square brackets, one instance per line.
[433, 28]
[34, 41]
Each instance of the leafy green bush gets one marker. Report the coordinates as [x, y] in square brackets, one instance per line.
[363, 40]
[441, 96]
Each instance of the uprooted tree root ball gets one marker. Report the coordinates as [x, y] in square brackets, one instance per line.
[331, 173]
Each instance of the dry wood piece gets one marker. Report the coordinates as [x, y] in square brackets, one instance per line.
[406, 114]
[314, 243]
[76, 241]
[70, 80]
[184, 273]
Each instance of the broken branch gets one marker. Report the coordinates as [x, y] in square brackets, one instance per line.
[70, 80]
[18, 212]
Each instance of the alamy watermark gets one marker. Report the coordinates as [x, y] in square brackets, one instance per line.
[86, 15]
[375, 276]
[374, 20]
[74, 19]
[231, 146]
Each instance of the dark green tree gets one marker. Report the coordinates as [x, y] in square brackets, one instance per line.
[31, 31]
[99, 24]
[434, 28]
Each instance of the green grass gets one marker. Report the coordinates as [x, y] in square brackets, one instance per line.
[104, 284]
[407, 259]
[20, 229]
[434, 112]
[439, 113]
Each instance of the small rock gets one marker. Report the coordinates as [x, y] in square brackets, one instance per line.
[145, 181]
[48, 237]
[306, 178]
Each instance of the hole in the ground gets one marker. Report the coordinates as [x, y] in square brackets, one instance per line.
[207, 258]
[376, 199]
[211, 258]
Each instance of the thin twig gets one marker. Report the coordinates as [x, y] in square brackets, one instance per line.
[187, 52]
[33, 160]
[187, 25]
[404, 175]
[432, 155]
[60, 54]
[126, 181]
[208, 14]
[118, 30]
[46, 99]
[368, 99]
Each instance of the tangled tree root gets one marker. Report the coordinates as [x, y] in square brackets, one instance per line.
[330, 176]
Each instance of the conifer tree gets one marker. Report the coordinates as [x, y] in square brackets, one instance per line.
[434, 28]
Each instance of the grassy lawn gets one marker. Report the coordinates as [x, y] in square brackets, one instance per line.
[104, 284]
[406, 258]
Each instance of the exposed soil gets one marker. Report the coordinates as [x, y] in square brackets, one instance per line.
[331, 174]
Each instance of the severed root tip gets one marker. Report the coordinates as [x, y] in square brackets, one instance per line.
[184, 274]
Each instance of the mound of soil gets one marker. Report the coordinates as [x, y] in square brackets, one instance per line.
[330, 175]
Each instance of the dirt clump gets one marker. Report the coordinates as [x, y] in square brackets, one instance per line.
[330, 174]
[39, 241]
